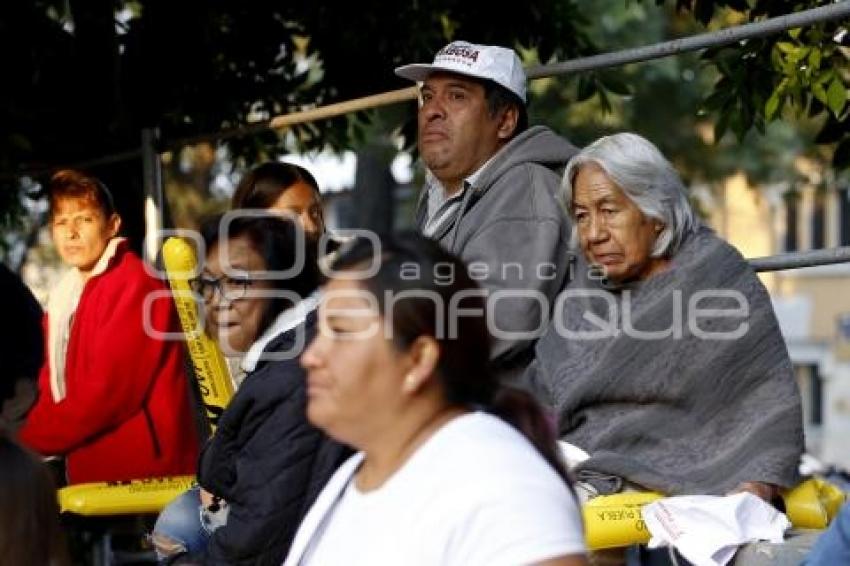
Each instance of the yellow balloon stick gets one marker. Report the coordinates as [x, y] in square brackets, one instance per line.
[210, 368]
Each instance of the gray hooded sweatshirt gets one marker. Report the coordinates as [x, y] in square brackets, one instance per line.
[513, 235]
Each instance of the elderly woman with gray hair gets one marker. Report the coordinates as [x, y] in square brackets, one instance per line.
[664, 362]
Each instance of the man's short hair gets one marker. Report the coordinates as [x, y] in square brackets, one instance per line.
[499, 98]
[70, 183]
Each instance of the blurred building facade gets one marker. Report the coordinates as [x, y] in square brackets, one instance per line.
[812, 304]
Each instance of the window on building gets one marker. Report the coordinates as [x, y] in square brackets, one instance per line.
[792, 201]
[819, 222]
[844, 216]
[811, 392]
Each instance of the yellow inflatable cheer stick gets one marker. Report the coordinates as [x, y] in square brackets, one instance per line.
[210, 369]
[813, 503]
[122, 498]
[612, 521]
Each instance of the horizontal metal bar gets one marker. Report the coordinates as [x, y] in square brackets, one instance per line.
[797, 260]
[718, 38]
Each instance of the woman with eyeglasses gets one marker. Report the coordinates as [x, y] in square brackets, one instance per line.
[265, 463]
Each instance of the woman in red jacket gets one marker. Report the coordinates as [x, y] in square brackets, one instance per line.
[113, 396]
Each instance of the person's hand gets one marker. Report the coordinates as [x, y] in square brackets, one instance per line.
[207, 498]
[766, 491]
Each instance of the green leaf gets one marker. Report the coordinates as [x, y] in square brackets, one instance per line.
[747, 118]
[737, 124]
[724, 67]
[820, 93]
[758, 123]
[604, 102]
[717, 99]
[776, 59]
[585, 89]
[825, 77]
[815, 58]
[772, 105]
[616, 85]
[786, 47]
[836, 97]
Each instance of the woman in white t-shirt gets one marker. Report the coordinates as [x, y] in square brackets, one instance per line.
[451, 468]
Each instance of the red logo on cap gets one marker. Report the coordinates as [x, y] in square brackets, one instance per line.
[459, 51]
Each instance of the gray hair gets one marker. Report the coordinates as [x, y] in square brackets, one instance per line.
[637, 167]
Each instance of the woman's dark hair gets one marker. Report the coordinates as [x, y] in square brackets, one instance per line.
[263, 185]
[29, 516]
[275, 240]
[412, 263]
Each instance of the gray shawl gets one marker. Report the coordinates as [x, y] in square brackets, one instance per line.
[683, 414]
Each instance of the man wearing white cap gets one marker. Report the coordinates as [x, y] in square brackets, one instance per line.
[490, 189]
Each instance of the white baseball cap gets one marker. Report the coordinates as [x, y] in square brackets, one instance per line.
[498, 64]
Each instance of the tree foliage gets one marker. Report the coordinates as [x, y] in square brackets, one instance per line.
[665, 100]
[91, 76]
[803, 72]
[83, 77]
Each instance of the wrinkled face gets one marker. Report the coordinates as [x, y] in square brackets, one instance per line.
[233, 308]
[354, 374]
[456, 132]
[81, 231]
[612, 230]
[301, 201]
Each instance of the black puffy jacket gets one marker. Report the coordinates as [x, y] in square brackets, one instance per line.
[266, 461]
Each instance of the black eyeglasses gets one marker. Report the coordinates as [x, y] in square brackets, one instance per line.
[229, 288]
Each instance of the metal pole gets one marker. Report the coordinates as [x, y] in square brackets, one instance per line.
[154, 200]
[695, 42]
[656, 51]
[796, 260]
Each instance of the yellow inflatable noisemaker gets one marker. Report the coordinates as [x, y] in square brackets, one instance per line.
[151, 495]
[612, 521]
[122, 498]
[210, 369]
[813, 503]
